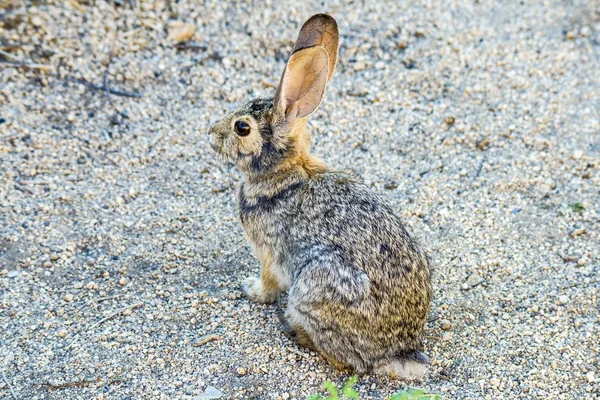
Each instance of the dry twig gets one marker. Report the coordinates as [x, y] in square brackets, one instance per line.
[101, 299]
[90, 85]
[9, 386]
[42, 67]
[103, 320]
[114, 314]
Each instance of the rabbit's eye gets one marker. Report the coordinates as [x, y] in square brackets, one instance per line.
[242, 128]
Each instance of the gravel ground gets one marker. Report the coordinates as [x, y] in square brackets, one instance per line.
[120, 254]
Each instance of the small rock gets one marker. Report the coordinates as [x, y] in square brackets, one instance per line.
[494, 382]
[446, 325]
[180, 31]
[450, 120]
[209, 393]
[68, 297]
[578, 232]
[61, 333]
[53, 257]
[37, 21]
[123, 281]
[241, 371]
[78, 285]
[91, 285]
[402, 44]
[205, 339]
[571, 35]
[564, 299]
[577, 154]
[482, 144]
[585, 31]
[535, 308]
[473, 280]
[359, 65]
[12, 274]
[128, 311]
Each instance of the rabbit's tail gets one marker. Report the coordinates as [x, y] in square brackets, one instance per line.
[409, 365]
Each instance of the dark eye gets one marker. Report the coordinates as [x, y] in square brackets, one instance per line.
[242, 128]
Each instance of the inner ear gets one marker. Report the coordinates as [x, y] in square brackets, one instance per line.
[320, 30]
[303, 83]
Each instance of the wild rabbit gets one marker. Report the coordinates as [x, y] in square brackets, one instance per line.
[359, 285]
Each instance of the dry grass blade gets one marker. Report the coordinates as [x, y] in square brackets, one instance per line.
[42, 67]
[12, 392]
[90, 85]
[114, 314]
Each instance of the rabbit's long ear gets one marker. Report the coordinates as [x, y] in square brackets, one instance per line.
[320, 30]
[303, 83]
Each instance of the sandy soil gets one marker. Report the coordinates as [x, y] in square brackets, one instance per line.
[478, 121]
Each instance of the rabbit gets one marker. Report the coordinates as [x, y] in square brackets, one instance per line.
[359, 286]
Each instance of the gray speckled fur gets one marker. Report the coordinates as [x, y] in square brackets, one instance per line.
[359, 285]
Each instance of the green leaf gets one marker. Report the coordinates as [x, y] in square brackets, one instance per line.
[333, 392]
[401, 395]
[348, 390]
[416, 392]
[577, 207]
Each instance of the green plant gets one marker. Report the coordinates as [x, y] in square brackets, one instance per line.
[415, 394]
[348, 392]
[577, 207]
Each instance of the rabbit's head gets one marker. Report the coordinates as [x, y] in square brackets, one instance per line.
[268, 133]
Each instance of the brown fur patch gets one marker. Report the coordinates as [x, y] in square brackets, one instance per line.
[267, 277]
[335, 363]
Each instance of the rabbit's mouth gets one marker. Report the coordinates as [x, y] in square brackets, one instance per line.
[217, 145]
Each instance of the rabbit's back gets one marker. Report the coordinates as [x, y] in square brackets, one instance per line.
[359, 285]
[335, 213]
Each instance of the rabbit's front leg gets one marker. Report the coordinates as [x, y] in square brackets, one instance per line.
[266, 288]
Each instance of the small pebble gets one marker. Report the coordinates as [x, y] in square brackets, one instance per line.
[123, 281]
[359, 66]
[585, 31]
[68, 297]
[62, 333]
[12, 274]
[91, 285]
[37, 21]
[564, 299]
[205, 339]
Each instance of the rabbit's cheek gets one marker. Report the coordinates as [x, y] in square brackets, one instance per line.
[249, 146]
